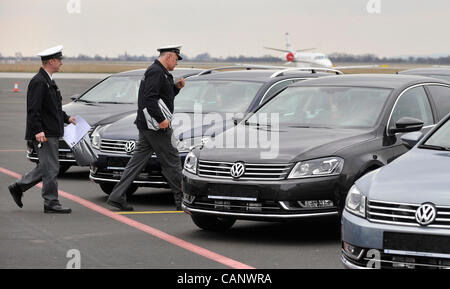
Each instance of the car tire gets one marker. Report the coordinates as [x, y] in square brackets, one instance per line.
[212, 223]
[63, 169]
[107, 188]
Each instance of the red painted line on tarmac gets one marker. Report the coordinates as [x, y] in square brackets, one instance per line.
[145, 228]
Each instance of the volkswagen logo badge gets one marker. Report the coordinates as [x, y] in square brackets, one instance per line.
[130, 146]
[237, 170]
[426, 214]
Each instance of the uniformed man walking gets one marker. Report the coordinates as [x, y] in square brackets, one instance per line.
[157, 84]
[45, 125]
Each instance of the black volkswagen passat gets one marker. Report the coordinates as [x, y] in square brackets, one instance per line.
[109, 100]
[329, 132]
[223, 98]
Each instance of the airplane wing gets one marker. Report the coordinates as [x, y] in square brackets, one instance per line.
[285, 50]
[276, 49]
[306, 49]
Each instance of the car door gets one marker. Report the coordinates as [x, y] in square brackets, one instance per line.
[412, 102]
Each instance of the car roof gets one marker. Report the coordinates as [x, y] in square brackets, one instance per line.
[176, 73]
[429, 70]
[253, 74]
[392, 81]
[261, 75]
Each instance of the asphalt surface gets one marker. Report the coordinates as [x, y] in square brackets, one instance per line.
[31, 239]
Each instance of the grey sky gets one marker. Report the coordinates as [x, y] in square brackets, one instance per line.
[225, 28]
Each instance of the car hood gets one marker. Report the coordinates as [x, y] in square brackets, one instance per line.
[99, 113]
[290, 144]
[184, 127]
[419, 176]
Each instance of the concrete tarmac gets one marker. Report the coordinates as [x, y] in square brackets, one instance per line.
[158, 238]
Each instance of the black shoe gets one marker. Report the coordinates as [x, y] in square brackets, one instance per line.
[56, 209]
[179, 208]
[122, 207]
[16, 193]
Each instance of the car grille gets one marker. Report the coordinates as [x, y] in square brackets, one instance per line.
[113, 146]
[404, 214]
[267, 172]
[143, 179]
[237, 206]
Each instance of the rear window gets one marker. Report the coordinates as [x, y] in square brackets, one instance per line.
[120, 89]
[216, 96]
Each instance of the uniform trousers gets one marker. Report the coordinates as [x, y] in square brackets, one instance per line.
[159, 142]
[46, 171]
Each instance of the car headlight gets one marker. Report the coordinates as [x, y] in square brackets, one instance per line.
[187, 144]
[356, 202]
[95, 138]
[190, 163]
[316, 168]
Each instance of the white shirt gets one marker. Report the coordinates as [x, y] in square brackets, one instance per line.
[49, 75]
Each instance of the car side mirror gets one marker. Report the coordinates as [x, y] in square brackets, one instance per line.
[411, 139]
[406, 124]
[75, 96]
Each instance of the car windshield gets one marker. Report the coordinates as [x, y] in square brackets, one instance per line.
[115, 89]
[441, 137]
[342, 107]
[216, 96]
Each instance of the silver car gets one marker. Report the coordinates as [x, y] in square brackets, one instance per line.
[399, 215]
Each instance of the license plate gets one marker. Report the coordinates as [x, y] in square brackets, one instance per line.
[117, 162]
[419, 243]
[246, 192]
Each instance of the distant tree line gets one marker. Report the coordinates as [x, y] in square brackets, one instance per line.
[371, 58]
[206, 57]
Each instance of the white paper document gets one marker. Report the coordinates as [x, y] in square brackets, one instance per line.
[74, 133]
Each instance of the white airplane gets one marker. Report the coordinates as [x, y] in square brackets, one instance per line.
[301, 58]
[305, 59]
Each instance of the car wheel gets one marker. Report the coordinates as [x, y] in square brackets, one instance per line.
[107, 188]
[212, 223]
[62, 170]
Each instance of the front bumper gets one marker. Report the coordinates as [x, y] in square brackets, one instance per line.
[370, 238]
[65, 155]
[260, 200]
[110, 166]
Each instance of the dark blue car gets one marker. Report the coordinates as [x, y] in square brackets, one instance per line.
[399, 216]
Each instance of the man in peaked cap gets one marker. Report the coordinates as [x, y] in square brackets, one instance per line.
[45, 125]
[157, 84]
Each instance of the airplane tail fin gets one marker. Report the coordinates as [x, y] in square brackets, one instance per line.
[288, 43]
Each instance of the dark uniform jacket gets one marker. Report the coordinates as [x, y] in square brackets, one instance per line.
[44, 107]
[157, 84]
